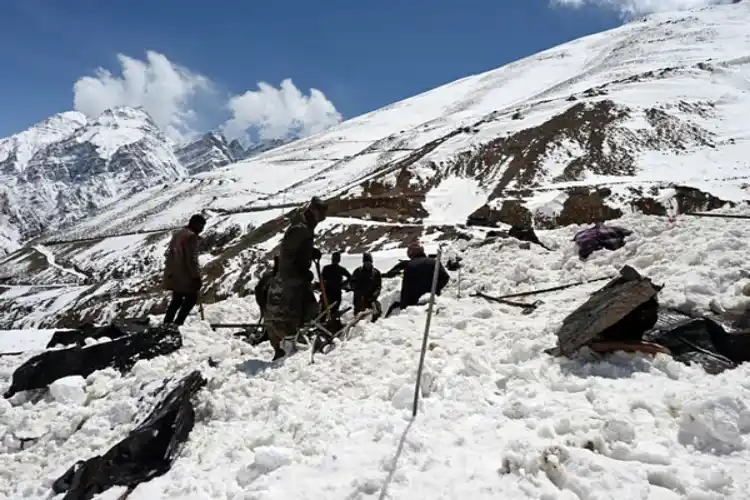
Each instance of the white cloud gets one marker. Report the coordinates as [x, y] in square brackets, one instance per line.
[633, 8]
[275, 113]
[164, 89]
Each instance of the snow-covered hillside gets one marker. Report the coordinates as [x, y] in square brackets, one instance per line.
[648, 117]
[206, 153]
[627, 113]
[498, 417]
[213, 150]
[67, 167]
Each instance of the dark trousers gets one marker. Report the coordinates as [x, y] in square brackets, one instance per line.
[180, 306]
[394, 306]
[332, 299]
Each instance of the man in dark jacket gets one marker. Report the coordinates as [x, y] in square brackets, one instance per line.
[417, 279]
[290, 300]
[366, 283]
[182, 274]
[334, 278]
[261, 289]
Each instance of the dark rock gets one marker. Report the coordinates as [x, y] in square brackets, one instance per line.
[525, 234]
[121, 353]
[479, 220]
[147, 452]
[623, 308]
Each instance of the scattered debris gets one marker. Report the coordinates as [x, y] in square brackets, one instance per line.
[121, 353]
[620, 311]
[527, 308]
[147, 452]
[701, 340]
[600, 237]
[552, 289]
[526, 234]
[624, 316]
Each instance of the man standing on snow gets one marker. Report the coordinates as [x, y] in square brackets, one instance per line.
[417, 279]
[334, 278]
[366, 283]
[182, 274]
[290, 300]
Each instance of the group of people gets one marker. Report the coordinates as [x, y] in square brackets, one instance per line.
[285, 293]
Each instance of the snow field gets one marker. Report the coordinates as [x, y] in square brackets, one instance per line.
[498, 418]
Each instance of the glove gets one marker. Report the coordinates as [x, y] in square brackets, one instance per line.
[316, 255]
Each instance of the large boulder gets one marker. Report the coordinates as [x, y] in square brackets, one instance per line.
[147, 452]
[121, 354]
[622, 310]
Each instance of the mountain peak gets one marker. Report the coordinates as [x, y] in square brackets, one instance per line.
[120, 114]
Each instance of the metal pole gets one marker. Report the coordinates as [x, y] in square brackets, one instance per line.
[426, 331]
[200, 306]
[458, 293]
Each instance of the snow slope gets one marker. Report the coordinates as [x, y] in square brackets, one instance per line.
[623, 106]
[646, 117]
[498, 417]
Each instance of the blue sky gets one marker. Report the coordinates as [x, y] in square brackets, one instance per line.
[360, 55]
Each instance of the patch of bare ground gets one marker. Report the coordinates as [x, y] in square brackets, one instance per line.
[586, 205]
[401, 208]
[358, 238]
[517, 157]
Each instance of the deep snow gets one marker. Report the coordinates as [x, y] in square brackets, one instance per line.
[499, 418]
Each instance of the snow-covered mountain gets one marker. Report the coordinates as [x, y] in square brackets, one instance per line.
[213, 150]
[67, 167]
[647, 117]
[206, 153]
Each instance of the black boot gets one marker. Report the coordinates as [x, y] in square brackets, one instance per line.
[278, 353]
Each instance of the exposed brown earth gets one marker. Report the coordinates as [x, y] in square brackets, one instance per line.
[516, 162]
[589, 204]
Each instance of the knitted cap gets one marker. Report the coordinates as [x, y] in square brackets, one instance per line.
[414, 250]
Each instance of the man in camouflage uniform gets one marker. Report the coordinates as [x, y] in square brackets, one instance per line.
[290, 300]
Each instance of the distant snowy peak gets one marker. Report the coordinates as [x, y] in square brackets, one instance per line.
[17, 150]
[267, 145]
[68, 167]
[119, 127]
[205, 153]
[213, 150]
[243, 152]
